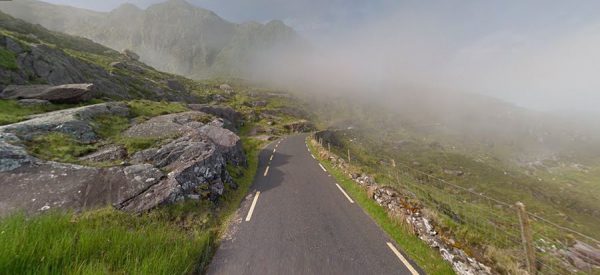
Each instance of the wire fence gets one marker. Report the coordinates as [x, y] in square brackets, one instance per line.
[518, 242]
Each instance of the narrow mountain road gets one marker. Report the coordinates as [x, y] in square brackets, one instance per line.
[299, 221]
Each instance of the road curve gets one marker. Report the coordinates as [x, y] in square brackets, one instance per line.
[299, 221]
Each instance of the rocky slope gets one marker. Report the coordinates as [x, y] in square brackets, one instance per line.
[191, 165]
[30, 54]
[173, 36]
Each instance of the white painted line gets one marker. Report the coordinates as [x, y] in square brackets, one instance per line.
[266, 171]
[252, 206]
[271, 157]
[322, 167]
[404, 261]
[313, 156]
[274, 150]
[348, 197]
[276, 145]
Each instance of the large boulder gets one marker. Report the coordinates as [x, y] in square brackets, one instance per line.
[167, 125]
[299, 126]
[224, 112]
[75, 122]
[109, 153]
[195, 164]
[68, 93]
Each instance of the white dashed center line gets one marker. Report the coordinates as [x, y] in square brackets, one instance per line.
[252, 206]
[266, 171]
[348, 197]
[271, 157]
[404, 261]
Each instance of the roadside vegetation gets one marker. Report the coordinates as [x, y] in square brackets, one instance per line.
[426, 257]
[174, 239]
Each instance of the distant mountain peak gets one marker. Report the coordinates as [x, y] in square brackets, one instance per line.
[127, 8]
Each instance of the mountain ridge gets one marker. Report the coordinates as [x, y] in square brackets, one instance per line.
[173, 36]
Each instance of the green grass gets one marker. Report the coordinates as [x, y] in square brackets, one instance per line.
[59, 147]
[12, 112]
[8, 60]
[427, 258]
[102, 242]
[110, 128]
[176, 239]
[147, 108]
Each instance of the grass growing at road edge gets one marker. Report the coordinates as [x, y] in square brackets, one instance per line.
[426, 257]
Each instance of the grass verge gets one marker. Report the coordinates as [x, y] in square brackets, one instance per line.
[426, 257]
[175, 239]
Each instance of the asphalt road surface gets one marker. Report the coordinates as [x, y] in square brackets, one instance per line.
[299, 221]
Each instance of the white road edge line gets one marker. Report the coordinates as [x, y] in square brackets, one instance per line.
[274, 150]
[271, 157]
[313, 156]
[348, 197]
[322, 167]
[252, 206]
[266, 171]
[404, 261]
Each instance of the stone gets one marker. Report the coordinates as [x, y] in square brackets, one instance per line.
[127, 66]
[33, 102]
[129, 54]
[75, 122]
[166, 125]
[13, 46]
[68, 93]
[226, 88]
[227, 142]
[221, 111]
[299, 126]
[173, 84]
[109, 153]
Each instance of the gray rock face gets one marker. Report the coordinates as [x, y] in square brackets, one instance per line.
[196, 161]
[167, 125]
[75, 122]
[127, 66]
[68, 93]
[196, 164]
[224, 112]
[33, 102]
[299, 126]
[130, 55]
[175, 85]
[110, 153]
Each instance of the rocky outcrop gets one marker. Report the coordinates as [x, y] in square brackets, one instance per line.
[68, 93]
[224, 112]
[75, 122]
[299, 126]
[109, 153]
[192, 165]
[167, 125]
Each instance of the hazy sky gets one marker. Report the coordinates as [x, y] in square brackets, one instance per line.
[539, 54]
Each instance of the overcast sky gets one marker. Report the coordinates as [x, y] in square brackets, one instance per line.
[539, 54]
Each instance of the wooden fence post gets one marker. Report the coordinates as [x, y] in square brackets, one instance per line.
[527, 238]
[348, 156]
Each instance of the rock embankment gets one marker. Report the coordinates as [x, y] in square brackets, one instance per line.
[405, 208]
[191, 164]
